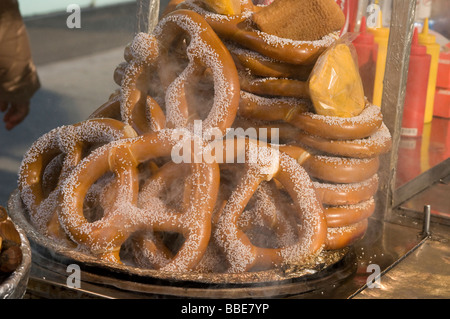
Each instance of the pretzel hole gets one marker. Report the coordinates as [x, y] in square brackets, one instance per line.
[168, 244]
[92, 206]
[272, 216]
[200, 95]
[51, 173]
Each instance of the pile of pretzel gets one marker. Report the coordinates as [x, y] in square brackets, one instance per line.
[110, 186]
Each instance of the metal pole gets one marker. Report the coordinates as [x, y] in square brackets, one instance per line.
[426, 220]
[394, 87]
[147, 14]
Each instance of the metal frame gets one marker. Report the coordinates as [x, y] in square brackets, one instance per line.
[396, 74]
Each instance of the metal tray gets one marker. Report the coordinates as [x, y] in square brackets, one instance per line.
[99, 278]
[15, 285]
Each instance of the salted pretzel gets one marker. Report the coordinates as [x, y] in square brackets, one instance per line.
[122, 217]
[340, 237]
[275, 87]
[240, 29]
[71, 142]
[344, 215]
[240, 253]
[334, 169]
[346, 194]
[378, 143]
[340, 169]
[294, 112]
[148, 248]
[260, 65]
[149, 69]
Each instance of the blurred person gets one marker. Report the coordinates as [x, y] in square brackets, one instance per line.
[18, 76]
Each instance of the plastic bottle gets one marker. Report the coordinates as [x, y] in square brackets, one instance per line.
[366, 49]
[381, 37]
[433, 49]
[416, 89]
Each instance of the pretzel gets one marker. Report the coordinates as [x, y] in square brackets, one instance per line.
[260, 65]
[344, 215]
[378, 143]
[71, 142]
[239, 29]
[340, 237]
[346, 194]
[122, 217]
[241, 254]
[150, 250]
[334, 169]
[271, 86]
[341, 169]
[150, 55]
[293, 111]
[270, 211]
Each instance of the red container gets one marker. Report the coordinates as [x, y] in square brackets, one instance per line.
[443, 75]
[416, 89]
[367, 50]
[442, 103]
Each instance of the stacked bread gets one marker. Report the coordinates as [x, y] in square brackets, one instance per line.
[344, 139]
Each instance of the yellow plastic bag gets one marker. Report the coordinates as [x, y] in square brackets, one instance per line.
[335, 84]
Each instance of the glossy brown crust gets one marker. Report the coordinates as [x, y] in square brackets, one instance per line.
[372, 146]
[148, 67]
[263, 66]
[274, 86]
[223, 70]
[239, 29]
[346, 194]
[333, 169]
[341, 170]
[344, 215]
[312, 227]
[341, 237]
[104, 237]
[71, 142]
[293, 111]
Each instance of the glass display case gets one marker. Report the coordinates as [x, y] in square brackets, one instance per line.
[407, 235]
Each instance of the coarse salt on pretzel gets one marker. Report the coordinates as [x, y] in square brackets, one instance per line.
[269, 211]
[241, 254]
[293, 111]
[122, 217]
[344, 215]
[331, 168]
[239, 29]
[261, 65]
[346, 194]
[340, 237]
[275, 87]
[378, 143]
[71, 142]
[205, 51]
[341, 169]
[152, 55]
